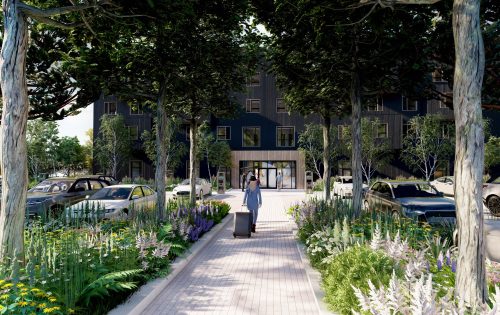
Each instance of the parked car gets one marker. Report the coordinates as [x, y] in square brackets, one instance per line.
[109, 178]
[54, 194]
[117, 201]
[491, 195]
[342, 186]
[445, 185]
[203, 187]
[419, 200]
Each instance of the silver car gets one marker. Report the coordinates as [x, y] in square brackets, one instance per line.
[491, 195]
[445, 185]
[203, 187]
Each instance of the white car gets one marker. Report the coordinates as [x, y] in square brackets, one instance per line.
[445, 185]
[117, 201]
[203, 187]
[491, 195]
[342, 186]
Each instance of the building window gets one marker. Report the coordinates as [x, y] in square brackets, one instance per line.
[405, 128]
[382, 131]
[133, 132]
[136, 109]
[253, 105]
[409, 105]
[343, 131]
[223, 133]
[345, 168]
[110, 108]
[251, 136]
[376, 106]
[135, 169]
[254, 80]
[281, 106]
[285, 137]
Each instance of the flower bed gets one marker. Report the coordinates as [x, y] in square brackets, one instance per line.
[375, 264]
[73, 268]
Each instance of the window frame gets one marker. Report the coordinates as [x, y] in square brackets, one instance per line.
[106, 108]
[129, 127]
[248, 105]
[386, 131]
[278, 140]
[140, 110]
[250, 81]
[228, 136]
[405, 101]
[285, 111]
[141, 168]
[379, 106]
[243, 136]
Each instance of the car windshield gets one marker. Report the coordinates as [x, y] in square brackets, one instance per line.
[347, 180]
[496, 180]
[185, 182]
[414, 190]
[112, 193]
[52, 185]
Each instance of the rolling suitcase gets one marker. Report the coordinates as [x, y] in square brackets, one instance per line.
[243, 223]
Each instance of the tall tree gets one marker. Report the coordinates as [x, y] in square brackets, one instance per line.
[220, 155]
[70, 155]
[18, 16]
[375, 151]
[206, 140]
[429, 141]
[112, 147]
[42, 141]
[88, 150]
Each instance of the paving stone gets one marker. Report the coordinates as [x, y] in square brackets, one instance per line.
[260, 275]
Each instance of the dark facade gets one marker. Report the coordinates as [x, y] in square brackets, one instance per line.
[263, 138]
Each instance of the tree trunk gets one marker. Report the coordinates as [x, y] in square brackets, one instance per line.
[208, 167]
[193, 129]
[14, 125]
[469, 153]
[357, 173]
[161, 152]
[326, 154]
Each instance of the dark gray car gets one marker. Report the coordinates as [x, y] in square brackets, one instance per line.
[53, 194]
[418, 200]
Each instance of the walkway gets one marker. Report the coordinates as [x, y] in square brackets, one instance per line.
[260, 275]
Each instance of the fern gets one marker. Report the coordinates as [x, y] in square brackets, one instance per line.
[103, 286]
[166, 232]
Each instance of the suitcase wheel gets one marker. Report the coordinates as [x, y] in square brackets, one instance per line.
[249, 234]
[234, 235]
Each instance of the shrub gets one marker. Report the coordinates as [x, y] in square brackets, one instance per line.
[354, 267]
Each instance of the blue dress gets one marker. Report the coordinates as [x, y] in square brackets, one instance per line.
[253, 199]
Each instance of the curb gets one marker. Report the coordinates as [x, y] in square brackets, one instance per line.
[154, 288]
[313, 277]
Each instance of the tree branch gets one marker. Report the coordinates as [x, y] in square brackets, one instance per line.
[37, 13]
[52, 22]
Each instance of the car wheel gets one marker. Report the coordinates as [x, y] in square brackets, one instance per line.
[493, 203]
[56, 211]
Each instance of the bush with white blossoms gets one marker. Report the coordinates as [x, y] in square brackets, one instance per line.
[152, 253]
[416, 296]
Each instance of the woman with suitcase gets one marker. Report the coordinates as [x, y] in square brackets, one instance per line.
[253, 200]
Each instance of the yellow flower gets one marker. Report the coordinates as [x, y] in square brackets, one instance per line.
[24, 290]
[32, 303]
[7, 285]
[20, 285]
[23, 294]
[71, 311]
[2, 281]
[23, 303]
[35, 290]
[52, 299]
[2, 307]
[4, 296]
[42, 305]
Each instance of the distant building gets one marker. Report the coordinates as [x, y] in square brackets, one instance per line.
[263, 139]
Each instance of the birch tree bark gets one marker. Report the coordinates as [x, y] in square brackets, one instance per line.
[326, 155]
[469, 153]
[193, 130]
[357, 175]
[14, 125]
[161, 154]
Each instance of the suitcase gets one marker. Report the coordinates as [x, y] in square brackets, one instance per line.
[243, 223]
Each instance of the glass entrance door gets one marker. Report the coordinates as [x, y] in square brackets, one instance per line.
[267, 177]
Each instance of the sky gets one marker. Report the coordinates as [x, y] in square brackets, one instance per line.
[77, 125]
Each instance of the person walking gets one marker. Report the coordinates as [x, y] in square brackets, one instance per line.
[243, 181]
[279, 181]
[253, 200]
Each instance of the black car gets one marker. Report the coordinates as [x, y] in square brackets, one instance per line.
[419, 200]
[53, 194]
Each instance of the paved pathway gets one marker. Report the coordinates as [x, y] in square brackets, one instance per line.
[260, 275]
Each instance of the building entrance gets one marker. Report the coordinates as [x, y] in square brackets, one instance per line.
[267, 177]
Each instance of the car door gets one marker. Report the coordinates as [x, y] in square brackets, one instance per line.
[384, 197]
[371, 196]
[77, 192]
[149, 197]
[137, 199]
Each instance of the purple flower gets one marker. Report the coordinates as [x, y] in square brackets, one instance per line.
[428, 266]
[439, 265]
[454, 266]
[448, 258]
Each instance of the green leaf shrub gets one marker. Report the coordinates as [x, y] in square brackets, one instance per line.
[21, 298]
[354, 267]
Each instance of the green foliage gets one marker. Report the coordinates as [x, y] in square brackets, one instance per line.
[88, 150]
[70, 154]
[429, 140]
[354, 267]
[42, 140]
[375, 151]
[311, 143]
[20, 298]
[221, 209]
[113, 145]
[107, 284]
[492, 152]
